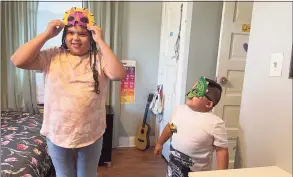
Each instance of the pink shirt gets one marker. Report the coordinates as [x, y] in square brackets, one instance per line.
[74, 115]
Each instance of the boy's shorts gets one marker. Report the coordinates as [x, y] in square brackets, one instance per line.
[179, 164]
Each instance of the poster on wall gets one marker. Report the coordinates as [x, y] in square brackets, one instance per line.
[127, 90]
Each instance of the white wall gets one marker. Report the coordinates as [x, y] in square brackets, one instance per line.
[204, 41]
[266, 109]
[141, 42]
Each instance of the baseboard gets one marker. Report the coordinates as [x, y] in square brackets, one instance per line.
[130, 141]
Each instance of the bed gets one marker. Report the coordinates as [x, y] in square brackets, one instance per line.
[23, 149]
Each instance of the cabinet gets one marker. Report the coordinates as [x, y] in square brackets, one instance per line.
[106, 156]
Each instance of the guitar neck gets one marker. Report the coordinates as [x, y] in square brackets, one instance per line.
[150, 97]
[145, 114]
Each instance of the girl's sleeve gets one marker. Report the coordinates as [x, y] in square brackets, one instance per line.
[45, 57]
[102, 63]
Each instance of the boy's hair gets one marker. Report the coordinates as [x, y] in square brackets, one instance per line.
[93, 49]
[214, 91]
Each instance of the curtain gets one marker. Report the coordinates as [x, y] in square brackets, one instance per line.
[18, 25]
[0, 58]
[108, 15]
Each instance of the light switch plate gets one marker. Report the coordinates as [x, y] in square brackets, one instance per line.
[276, 64]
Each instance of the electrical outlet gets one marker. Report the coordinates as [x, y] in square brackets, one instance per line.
[276, 64]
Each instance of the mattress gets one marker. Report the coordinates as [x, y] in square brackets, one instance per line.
[23, 148]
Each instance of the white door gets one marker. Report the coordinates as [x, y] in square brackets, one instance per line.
[170, 67]
[236, 18]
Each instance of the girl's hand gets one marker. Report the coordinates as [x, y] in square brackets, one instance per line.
[54, 28]
[97, 33]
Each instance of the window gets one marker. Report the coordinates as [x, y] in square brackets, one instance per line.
[48, 11]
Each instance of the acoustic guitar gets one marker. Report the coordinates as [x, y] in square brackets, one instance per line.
[142, 140]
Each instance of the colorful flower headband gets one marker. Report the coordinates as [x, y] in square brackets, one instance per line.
[80, 16]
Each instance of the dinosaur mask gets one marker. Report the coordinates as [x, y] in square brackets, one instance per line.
[200, 89]
[80, 16]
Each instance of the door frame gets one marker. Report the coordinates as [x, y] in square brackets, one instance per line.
[182, 66]
[183, 52]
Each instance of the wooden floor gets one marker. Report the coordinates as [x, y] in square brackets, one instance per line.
[130, 162]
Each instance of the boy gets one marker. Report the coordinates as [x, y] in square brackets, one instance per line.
[195, 132]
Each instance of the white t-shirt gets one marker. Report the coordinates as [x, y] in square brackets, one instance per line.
[197, 134]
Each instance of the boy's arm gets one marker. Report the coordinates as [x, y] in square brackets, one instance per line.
[166, 134]
[221, 145]
[222, 158]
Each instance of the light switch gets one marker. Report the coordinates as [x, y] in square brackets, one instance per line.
[276, 64]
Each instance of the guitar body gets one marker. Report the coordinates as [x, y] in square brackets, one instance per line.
[142, 141]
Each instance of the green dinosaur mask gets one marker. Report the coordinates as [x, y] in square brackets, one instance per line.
[200, 89]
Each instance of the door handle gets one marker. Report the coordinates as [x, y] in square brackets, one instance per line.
[223, 80]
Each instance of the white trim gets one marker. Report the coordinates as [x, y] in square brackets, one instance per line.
[130, 141]
[183, 53]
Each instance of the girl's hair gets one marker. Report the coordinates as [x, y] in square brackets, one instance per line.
[93, 49]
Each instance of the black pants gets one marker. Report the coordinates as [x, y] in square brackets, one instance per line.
[179, 164]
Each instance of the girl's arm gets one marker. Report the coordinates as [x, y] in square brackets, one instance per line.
[112, 67]
[26, 56]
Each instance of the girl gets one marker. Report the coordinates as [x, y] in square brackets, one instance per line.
[76, 76]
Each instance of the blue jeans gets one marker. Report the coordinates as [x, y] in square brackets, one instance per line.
[86, 164]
